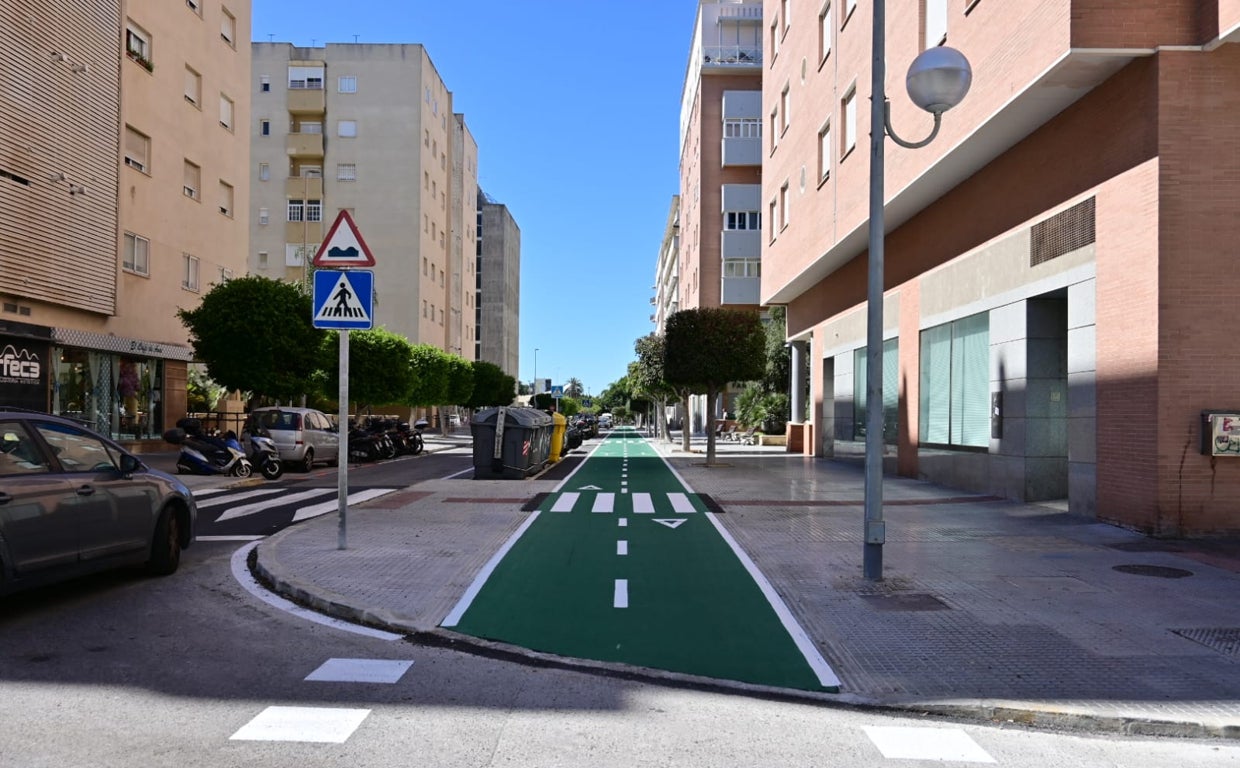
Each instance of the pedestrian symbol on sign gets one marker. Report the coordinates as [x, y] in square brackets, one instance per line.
[342, 300]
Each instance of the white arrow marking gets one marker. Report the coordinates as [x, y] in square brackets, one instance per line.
[589, 488]
[250, 509]
[565, 502]
[643, 504]
[681, 504]
[670, 523]
[305, 513]
[604, 503]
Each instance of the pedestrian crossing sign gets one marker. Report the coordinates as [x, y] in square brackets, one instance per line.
[344, 301]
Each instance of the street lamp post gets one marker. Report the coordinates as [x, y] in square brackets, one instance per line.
[534, 394]
[937, 80]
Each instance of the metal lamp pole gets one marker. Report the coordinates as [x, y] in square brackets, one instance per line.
[938, 80]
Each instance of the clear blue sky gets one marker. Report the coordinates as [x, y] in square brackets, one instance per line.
[575, 105]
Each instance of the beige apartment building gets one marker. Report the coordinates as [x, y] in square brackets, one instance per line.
[1056, 260]
[121, 174]
[368, 129]
[721, 165]
[497, 319]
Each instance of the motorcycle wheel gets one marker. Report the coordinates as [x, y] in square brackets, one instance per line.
[273, 469]
[417, 444]
[242, 469]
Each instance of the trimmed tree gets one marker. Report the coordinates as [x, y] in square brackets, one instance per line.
[647, 374]
[492, 387]
[378, 367]
[430, 369]
[706, 348]
[255, 334]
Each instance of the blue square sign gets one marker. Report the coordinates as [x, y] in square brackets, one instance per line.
[344, 301]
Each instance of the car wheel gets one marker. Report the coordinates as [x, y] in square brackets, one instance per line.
[166, 545]
[307, 461]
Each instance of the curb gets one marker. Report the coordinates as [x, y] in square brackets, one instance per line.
[982, 711]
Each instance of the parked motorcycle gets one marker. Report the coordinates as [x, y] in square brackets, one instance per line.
[264, 455]
[202, 454]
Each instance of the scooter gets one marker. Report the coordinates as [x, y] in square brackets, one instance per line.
[265, 456]
[202, 455]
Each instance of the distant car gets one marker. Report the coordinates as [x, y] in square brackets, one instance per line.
[302, 435]
[454, 420]
[73, 502]
[604, 421]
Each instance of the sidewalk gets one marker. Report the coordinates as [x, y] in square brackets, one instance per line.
[987, 610]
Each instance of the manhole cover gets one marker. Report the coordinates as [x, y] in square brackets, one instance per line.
[905, 602]
[1224, 640]
[1159, 571]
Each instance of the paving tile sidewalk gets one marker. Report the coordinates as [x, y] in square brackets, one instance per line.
[987, 609]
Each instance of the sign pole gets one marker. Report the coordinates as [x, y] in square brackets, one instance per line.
[342, 455]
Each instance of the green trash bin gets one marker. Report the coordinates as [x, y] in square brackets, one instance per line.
[510, 443]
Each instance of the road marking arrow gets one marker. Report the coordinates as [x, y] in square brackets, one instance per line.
[589, 488]
[670, 523]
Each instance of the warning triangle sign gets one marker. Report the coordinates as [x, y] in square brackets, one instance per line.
[343, 304]
[343, 246]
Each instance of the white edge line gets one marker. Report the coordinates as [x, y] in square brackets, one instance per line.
[462, 605]
[246, 579]
[826, 675]
[229, 538]
[458, 474]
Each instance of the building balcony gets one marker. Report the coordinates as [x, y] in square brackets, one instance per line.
[738, 152]
[304, 188]
[307, 101]
[741, 244]
[741, 290]
[303, 145]
[308, 232]
[732, 55]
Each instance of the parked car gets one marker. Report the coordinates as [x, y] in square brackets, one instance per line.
[73, 502]
[604, 421]
[302, 435]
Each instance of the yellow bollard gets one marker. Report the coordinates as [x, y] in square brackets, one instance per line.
[559, 425]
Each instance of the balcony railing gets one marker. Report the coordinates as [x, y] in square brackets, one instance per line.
[733, 55]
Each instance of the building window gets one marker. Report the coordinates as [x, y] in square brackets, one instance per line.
[774, 38]
[314, 210]
[785, 107]
[264, 172]
[193, 87]
[264, 216]
[226, 112]
[742, 128]
[742, 220]
[189, 272]
[891, 392]
[137, 257]
[824, 152]
[194, 6]
[423, 266]
[226, 199]
[774, 128]
[346, 171]
[742, 268]
[426, 138]
[955, 383]
[193, 180]
[849, 7]
[771, 208]
[137, 149]
[138, 45]
[228, 27]
[346, 84]
[263, 258]
[935, 15]
[784, 201]
[264, 127]
[826, 28]
[264, 83]
[783, 13]
[296, 210]
[423, 307]
[346, 128]
[850, 120]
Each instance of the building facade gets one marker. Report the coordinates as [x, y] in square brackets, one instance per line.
[122, 170]
[367, 129]
[721, 128]
[1051, 258]
[498, 287]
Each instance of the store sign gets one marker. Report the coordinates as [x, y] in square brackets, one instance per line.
[23, 372]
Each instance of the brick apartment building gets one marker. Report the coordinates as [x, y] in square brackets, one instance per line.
[1059, 261]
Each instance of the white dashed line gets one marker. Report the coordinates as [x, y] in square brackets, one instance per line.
[621, 598]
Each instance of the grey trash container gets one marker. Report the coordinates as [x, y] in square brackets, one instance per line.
[510, 443]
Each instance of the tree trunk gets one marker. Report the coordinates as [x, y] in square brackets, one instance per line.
[685, 432]
[711, 394]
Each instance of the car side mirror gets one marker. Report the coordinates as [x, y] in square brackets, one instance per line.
[130, 464]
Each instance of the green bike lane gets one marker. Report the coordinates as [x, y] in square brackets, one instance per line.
[624, 563]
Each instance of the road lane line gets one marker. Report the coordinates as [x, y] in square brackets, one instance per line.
[622, 548]
[565, 502]
[620, 598]
[624, 522]
[643, 504]
[680, 503]
[604, 503]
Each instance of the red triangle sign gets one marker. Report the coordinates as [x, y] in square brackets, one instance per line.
[343, 246]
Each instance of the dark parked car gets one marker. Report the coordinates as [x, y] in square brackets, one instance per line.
[74, 502]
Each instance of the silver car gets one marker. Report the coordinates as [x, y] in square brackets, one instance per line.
[73, 502]
[302, 435]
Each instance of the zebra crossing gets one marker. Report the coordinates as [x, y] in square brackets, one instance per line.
[604, 502]
[224, 514]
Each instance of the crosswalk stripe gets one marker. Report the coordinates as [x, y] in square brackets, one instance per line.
[237, 497]
[259, 506]
[680, 503]
[199, 493]
[643, 504]
[604, 503]
[565, 502]
[305, 513]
